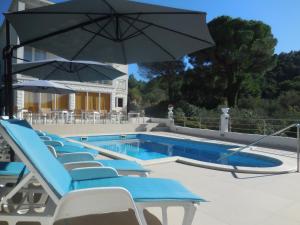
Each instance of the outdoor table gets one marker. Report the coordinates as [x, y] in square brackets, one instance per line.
[60, 114]
[134, 115]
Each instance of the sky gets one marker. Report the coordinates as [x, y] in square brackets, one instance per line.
[282, 15]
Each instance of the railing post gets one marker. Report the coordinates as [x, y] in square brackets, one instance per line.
[264, 127]
[298, 147]
[184, 121]
[200, 122]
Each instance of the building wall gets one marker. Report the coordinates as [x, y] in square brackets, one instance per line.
[117, 88]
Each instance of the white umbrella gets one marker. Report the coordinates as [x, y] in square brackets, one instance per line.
[43, 86]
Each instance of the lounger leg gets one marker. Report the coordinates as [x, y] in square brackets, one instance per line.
[189, 213]
[164, 210]
[141, 214]
[11, 222]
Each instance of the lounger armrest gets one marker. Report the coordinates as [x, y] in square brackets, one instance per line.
[46, 138]
[54, 143]
[82, 164]
[93, 173]
[87, 202]
[75, 157]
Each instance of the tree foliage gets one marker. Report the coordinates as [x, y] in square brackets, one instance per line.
[241, 72]
[168, 74]
[244, 52]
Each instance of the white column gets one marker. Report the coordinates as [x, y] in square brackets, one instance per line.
[112, 101]
[55, 101]
[39, 101]
[125, 103]
[72, 102]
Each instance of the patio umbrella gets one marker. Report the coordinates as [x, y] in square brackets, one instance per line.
[117, 31]
[43, 86]
[60, 69]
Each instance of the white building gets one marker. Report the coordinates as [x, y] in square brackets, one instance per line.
[105, 96]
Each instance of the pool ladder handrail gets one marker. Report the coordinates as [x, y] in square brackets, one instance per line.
[266, 136]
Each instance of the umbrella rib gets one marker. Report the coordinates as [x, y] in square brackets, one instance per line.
[51, 34]
[91, 39]
[99, 72]
[123, 46]
[54, 70]
[60, 66]
[130, 25]
[34, 67]
[137, 33]
[169, 29]
[110, 6]
[155, 42]
[83, 67]
[101, 35]
[102, 27]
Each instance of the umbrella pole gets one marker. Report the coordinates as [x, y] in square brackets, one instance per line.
[8, 54]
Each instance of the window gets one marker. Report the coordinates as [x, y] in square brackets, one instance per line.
[62, 102]
[80, 98]
[47, 101]
[105, 102]
[39, 55]
[119, 102]
[28, 53]
[31, 101]
[93, 102]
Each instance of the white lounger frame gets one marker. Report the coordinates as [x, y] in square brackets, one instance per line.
[82, 164]
[115, 199]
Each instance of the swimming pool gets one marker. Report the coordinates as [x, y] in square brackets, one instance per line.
[148, 147]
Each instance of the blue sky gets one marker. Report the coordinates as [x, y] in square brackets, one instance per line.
[282, 15]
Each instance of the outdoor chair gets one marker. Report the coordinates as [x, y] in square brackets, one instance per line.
[86, 191]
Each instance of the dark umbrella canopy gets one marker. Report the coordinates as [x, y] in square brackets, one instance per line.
[43, 86]
[117, 31]
[60, 69]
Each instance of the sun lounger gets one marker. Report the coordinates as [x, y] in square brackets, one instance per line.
[87, 191]
[63, 148]
[124, 167]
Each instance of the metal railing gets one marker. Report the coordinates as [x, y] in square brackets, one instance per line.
[212, 123]
[241, 125]
[260, 125]
[297, 125]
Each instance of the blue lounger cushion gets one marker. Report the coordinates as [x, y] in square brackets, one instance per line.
[38, 155]
[124, 165]
[12, 168]
[61, 182]
[74, 149]
[143, 189]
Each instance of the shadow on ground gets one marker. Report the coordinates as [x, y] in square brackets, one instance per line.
[119, 218]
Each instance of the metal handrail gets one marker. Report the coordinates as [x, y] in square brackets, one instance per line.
[258, 140]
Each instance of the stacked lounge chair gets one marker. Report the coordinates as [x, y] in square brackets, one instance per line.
[86, 191]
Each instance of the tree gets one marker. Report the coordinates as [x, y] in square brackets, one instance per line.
[244, 52]
[169, 72]
[284, 77]
[134, 93]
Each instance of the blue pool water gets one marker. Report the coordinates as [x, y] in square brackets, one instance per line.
[147, 147]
